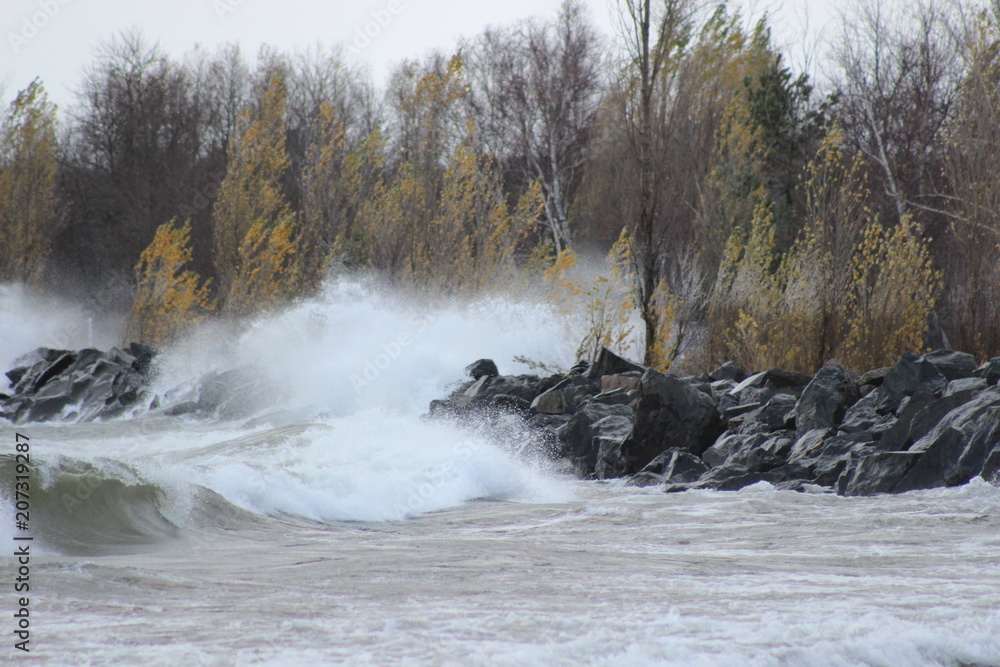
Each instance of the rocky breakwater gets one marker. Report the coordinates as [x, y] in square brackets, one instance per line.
[49, 385]
[62, 385]
[926, 422]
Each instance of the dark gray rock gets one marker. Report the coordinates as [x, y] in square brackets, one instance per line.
[669, 413]
[874, 473]
[728, 371]
[874, 378]
[781, 379]
[990, 371]
[482, 368]
[910, 375]
[733, 477]
[615, 397]
[952, 365]
[991, 469]
[826, 399]
[974, 385]
[955, 449]
[609, 434]
[675, 466]
[777, 414]
[61, 385]
[825, 455]
[551, 402]
[578, 435]
[727, 445]
[609, 363]
[864, 416]
[918, 414]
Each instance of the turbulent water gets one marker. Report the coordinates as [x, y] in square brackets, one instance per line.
[334, 525]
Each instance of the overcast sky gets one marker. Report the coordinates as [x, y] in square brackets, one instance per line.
[54, 39]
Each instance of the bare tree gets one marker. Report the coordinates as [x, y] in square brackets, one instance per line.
[536, 89]
[133, 160]
[899, 75]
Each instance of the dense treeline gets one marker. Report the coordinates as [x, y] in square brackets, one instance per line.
[745, 215]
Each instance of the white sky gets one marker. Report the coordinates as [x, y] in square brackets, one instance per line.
[54, 39]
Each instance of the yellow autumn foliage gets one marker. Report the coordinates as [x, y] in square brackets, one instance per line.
[28, 208]
[847, 289]
[169, 300]
[254, 226]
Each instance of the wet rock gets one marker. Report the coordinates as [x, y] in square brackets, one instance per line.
[579, 433]
[955, 450]
[669, 413]
[990, 371]
[951, 364]
[482, 368]
[675, 466]
[60, 385]
[973, 384]
[609, 434]
[874, 378]
[728, 371]
[876, 472]
[910, 375]
[609, 363]
[551, 402]
[776, 415]
[826, 399]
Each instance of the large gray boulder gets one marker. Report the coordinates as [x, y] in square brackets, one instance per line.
[579, 435]
[955, 450]
[825, 400]
[669, 413]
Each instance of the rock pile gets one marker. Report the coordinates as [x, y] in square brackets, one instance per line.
[51, 385]
[926, 422]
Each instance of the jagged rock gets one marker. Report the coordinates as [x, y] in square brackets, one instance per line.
[482, 368]
[728, 371]
[775, 415]
[76, 386]
[826, 399]
[609, 363]
[864, 416]
[875, 472]
[609, 434]
[910, 375]
[675, 466]
[733, 477]
[625, 382]
[579, 433]
[727, 446]
[615, 397]
[974, 385]
[990, 371]
[669, 413]
[780, 378]
[551, 402]
[918, 414]
[952, 365]
[874, 378]
[780, 444]
[991, 469]
[955, 449]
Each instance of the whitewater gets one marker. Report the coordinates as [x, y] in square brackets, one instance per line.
[330, 523]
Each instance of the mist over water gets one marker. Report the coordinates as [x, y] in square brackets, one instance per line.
[338, 437]
[355, 347]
